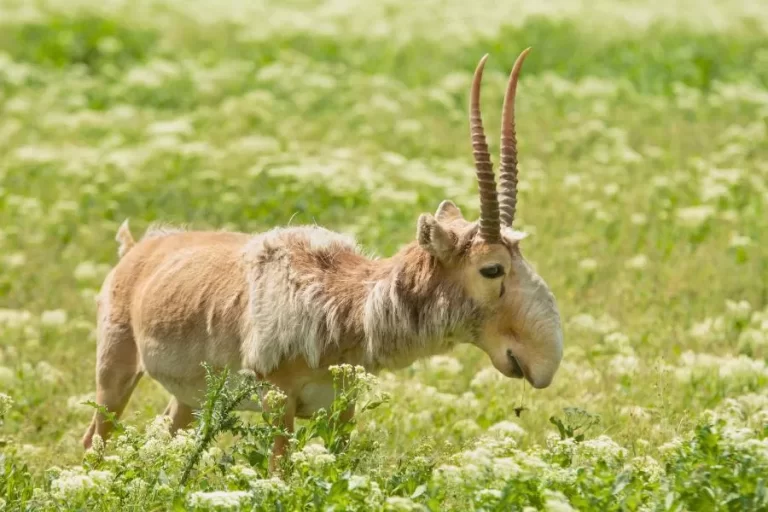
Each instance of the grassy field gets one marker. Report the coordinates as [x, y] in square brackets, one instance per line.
[644, 184]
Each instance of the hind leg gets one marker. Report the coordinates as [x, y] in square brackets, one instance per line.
[118, 370]
[181, 414]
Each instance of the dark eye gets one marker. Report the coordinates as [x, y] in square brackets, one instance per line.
[492, 271]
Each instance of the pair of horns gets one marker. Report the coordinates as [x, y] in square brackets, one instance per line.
[495, 208]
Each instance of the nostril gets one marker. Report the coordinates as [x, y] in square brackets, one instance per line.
[509, 353]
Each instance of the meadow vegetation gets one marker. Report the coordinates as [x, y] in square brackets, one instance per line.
[642, 132]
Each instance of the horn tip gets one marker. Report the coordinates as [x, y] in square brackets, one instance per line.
[523, 55]
[479, 74]
[481, 64]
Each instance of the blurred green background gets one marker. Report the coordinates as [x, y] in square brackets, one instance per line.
[644, 181]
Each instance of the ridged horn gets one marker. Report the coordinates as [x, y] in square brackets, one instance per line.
[508, 165]
[489, 201]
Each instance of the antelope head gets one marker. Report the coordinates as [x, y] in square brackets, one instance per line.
[519, 323]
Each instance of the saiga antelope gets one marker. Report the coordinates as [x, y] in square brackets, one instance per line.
[290, 302]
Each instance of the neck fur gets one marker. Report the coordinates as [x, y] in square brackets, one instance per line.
[412, 310]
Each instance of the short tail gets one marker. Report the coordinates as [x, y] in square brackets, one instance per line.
[125, 238]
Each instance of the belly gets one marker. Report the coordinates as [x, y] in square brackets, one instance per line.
[178, 366]
[313, 397]
[181, 374]
[191, 391]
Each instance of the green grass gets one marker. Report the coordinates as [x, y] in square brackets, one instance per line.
[248, 122]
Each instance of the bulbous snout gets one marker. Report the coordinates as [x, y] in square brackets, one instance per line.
[535, 359]
[524, 336]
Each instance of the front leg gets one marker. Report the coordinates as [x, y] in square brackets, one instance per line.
[339, 426]
[347, 414]
[286, 422]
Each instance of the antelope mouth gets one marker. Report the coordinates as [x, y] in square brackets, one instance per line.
[515, 369]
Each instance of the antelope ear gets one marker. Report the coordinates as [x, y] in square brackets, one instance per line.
[514, 235]
[435, 239]
[448, 211]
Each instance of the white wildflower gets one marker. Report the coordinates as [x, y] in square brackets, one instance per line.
[623, 365]
[738, 310]
[572, 181]
[86, 271]
[152, 449]
[7, 376]
[588, 264]
[53, 318]
[586, 322]
[556, 501]
[70, 483]
[635, 412]
[637, 262]
[670, 447]
[466, 427]
[449, 475]
[209, 458]
[507, 428]
[358, 482]
[29, 450]
[618, 342]
[137, 487]
[409, 126]
[401, 504]
[256, 144]
[47, 372]
[738, 240]
[14, 318]
[267, 486]
[77, 403]
[218, 499]
[101, 478]
[611, 189]
[479, 457]
[591, 206]
[239, 471]
[6, 402]
[488, 494]
[275, 398]
[712, 191]
[485, 378]
[558, 446]
[737, 435]
[174, 127]
[445, 364]
[160, 428]
[97, 443]
[749, 338]
[694, 216]
[182, 442]
[727, 368]
[708, 328]
[506, 468]
[499, 446]
[648, 466]
[313, 455]
[601, 448]
[15, 260]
